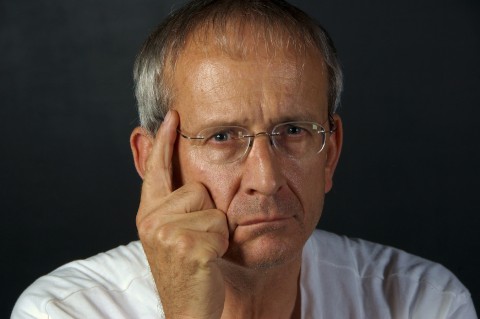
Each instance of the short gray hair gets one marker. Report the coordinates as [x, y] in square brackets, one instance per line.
[274, 18]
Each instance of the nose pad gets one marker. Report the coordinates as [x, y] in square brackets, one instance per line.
[262, 172]
[259, 134]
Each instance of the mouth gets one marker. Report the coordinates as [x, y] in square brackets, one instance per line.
[257, 227]
[266, 221]
[259, 214]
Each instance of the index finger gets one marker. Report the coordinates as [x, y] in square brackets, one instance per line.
[158, 172]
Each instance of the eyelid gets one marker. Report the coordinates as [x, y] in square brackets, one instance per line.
[233, 131]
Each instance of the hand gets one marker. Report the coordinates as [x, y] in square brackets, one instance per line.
[183, 235]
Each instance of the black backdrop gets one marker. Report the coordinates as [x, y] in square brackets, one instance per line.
[408, 176]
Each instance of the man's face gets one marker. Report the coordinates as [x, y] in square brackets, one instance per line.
[272, 202]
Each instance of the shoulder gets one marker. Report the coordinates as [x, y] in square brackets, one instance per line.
[374, 276]
[367, 259]
[106, 279]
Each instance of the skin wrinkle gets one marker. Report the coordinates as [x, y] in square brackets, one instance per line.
[260, 90]
[246, 40]
[211, 70]
[249, 30]
[202, 39]
[269, 95]
[256, 76]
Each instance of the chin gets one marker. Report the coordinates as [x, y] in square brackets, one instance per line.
[266, 249]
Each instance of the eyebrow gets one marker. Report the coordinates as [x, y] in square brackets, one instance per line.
[304, 117]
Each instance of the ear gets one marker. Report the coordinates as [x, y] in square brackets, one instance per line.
[334, 147]
[141, 143]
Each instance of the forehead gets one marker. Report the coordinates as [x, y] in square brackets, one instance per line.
[255, 83]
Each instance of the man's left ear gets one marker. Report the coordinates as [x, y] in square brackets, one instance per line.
[333, 149]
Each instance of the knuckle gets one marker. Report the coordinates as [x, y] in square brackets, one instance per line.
[216, 218]
[184, 244]
[145, 224]
[172, 237]
[166, 234]
[197, 187]
[150, 221]
[190, 189]
[193, 197]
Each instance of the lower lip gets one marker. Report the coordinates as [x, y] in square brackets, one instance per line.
[277, 223]
[275, 228]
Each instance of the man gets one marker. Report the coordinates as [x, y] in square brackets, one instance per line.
[237, 146]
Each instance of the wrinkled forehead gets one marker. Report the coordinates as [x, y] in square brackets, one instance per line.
[293, 64]
[247, 71]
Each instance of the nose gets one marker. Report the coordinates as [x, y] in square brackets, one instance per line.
[262, 170]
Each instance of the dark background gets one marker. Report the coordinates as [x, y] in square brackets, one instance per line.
[409, 173]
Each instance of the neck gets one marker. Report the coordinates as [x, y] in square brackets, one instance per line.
[264, 293]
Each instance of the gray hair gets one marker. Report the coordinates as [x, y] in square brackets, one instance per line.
[276, 18]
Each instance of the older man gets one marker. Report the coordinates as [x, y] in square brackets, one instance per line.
[237, 147]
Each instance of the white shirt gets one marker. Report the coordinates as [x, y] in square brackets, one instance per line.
[340, 278]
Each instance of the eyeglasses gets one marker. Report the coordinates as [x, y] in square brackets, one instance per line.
[227, 144]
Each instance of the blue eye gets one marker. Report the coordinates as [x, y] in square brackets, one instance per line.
[294, 130]
[223, 135]
[220, 137]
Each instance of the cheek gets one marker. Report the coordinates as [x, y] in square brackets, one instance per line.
[222, 182]
[308, 183]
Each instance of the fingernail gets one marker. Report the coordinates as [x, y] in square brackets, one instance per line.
[168, 116]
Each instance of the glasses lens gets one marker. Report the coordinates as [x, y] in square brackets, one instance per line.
[223, 144]
[299, 139]
[227, 144]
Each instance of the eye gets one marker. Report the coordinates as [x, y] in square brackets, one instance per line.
[221, 137]
[294, 130]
